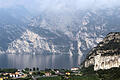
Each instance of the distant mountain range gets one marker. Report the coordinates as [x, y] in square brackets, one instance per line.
[55, 33]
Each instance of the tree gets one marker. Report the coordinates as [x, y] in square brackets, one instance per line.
[37, 69]
[34, 69]
[30, 69]
[27, 69]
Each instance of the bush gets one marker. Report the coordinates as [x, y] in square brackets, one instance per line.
[110, 74]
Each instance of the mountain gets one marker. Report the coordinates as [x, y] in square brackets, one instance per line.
[39, 43]
[12, 25]
[85, 28]
[106, 54]
[67, 32]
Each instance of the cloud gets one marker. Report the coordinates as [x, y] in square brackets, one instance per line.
[58, 5]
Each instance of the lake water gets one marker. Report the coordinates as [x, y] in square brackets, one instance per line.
[42, 61]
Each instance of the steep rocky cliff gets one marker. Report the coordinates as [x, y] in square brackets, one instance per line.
[107, 53]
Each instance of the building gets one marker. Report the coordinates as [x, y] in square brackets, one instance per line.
[12, 75]
[48, 74]
[17, 75]
[23, 76]
[67, 73]
[31, 73]
[74, 69]
[5, 74]
[4, 78]
[1, 78]
[57, 72]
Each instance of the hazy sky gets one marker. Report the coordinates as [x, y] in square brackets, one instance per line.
[40, 5]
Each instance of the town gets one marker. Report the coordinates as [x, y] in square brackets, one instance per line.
[74, 73]
[36, 74]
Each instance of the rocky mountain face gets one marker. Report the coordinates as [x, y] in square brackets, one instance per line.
[106, 54]
[12, 25]
[31, 42]
[74, 32]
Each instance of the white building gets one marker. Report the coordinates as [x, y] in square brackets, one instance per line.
[74, 69]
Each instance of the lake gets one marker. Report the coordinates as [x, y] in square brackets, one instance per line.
[22, 61]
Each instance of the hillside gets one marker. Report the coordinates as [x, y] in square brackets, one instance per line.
[107, 53]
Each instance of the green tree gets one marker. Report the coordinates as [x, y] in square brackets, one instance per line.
[34, 69]
[37, 69]
[27, 69]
